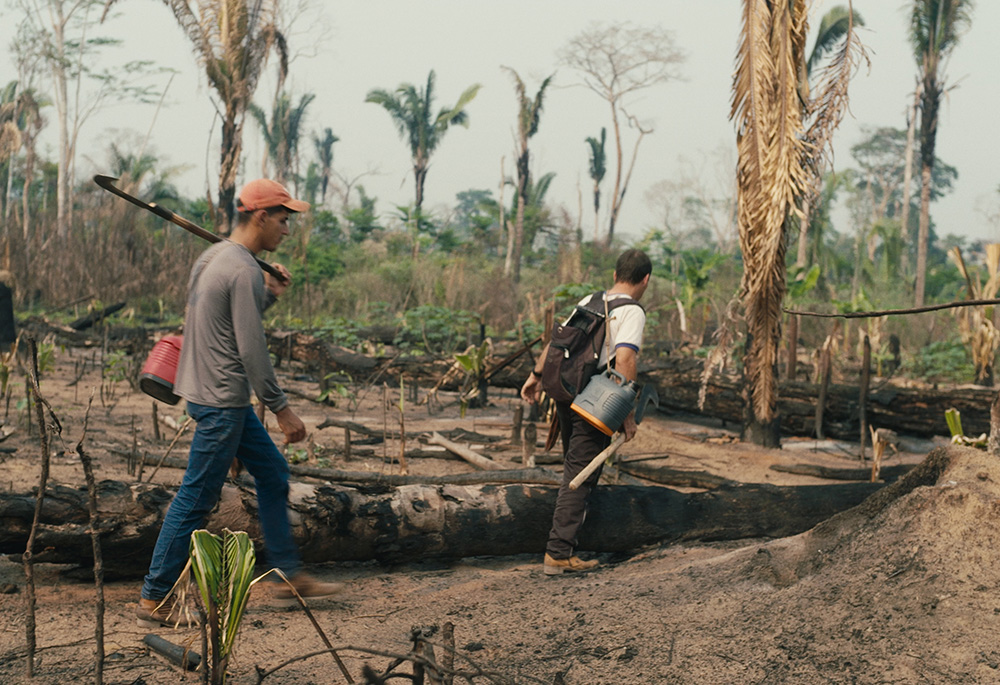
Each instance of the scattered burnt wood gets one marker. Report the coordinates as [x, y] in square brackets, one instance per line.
[453, 434]
[886, 473]
[469, 455]
[173, 653]
[505, 476]
[910, 411]
[545, 458]
[666, 475]
[326, 358]
[95, 317]
[339, 522]
[501, 475]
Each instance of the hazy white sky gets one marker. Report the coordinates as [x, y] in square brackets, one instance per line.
[365, 44]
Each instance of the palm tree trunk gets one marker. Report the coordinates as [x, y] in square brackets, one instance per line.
[802, 251]
[512, 266]
[597, 212]
[923, 233]
[8, 194]
[904, 211]
[29, 170]
[231, 149]
[419, 177]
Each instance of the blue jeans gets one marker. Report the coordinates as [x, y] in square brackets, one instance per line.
[221, 435]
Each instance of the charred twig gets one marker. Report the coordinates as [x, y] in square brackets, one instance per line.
[322, 635]
[95, 537]
[468, 675]
[503, 363]
[43, 478]
[180, 432]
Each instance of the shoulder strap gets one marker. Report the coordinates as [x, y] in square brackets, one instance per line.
[622, 301]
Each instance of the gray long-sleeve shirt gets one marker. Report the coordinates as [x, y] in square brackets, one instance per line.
[225, 352]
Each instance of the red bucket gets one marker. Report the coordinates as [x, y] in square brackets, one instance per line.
[160, 369]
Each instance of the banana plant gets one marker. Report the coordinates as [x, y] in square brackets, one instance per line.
[474, 361]
[223, 571]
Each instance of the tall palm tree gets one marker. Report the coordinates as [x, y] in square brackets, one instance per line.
[598, 167]
[529, 112]
[324, 153]
[411, 111]
[935, 27]
[233, 40]
[778, 160]
[282, 133]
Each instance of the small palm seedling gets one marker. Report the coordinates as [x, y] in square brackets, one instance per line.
[223, 571]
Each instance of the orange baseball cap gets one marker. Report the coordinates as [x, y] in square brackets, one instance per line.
[265, 194]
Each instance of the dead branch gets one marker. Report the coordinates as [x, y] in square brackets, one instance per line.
[180, 432]
[471, 456]
[43, 478]
[887, 312]
[95, 537]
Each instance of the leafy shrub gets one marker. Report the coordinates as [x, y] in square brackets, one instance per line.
[440, 330]
[944, 360]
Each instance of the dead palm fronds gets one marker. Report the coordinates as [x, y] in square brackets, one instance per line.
[232, 40]
[779, 162]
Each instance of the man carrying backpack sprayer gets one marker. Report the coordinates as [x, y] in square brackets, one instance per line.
[582, 441]
[224, 355]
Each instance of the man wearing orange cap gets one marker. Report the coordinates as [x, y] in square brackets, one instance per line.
[224, 356]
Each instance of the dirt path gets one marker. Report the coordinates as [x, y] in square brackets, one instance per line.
[900, 594]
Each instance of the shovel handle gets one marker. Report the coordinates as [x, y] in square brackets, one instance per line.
[597, 461]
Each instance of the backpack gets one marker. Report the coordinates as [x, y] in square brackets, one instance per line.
[575, 347]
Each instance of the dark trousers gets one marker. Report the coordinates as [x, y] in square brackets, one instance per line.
[581, 443]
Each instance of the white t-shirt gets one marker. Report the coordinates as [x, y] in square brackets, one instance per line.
[625, 326]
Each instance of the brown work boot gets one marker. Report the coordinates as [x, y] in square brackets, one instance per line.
[553, 567]
[307, 587]
[159, 613]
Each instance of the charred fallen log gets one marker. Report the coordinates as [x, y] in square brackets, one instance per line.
[909, 411]
[394, 524]
[92, 318]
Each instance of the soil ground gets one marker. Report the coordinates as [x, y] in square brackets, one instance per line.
[905, 594]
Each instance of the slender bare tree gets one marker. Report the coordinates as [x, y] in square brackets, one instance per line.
[57, 33]
[616, 61]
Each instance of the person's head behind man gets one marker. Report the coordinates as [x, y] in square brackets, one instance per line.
[633, 268]
[263, 208]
